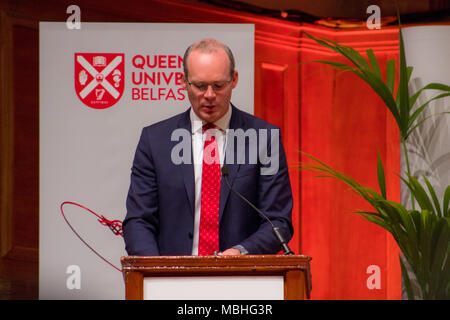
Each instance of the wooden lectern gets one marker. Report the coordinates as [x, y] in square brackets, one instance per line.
[293, 270]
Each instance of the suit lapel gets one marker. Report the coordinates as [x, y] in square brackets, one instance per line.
[236, 122]
[187, 170]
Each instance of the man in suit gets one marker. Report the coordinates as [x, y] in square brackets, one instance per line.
[185, 207]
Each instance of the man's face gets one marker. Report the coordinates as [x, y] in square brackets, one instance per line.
[209, 83]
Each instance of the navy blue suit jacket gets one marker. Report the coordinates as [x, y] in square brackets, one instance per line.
[160, 202]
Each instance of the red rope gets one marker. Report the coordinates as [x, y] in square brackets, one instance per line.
[114, 225]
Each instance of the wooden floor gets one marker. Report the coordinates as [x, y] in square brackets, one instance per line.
[18, 280]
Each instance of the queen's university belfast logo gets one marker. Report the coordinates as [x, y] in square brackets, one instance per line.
[99, 78]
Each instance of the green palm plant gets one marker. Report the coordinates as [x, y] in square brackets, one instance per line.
[423, 236]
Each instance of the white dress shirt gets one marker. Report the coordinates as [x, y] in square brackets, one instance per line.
[198, 140]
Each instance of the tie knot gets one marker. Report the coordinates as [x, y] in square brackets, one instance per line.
[208, 126]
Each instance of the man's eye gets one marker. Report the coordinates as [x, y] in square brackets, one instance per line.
[204, 86]
[201, 86]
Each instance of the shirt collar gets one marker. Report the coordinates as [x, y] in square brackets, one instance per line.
[222, 124]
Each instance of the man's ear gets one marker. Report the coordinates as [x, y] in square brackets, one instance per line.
[235, 79]
[183, 82]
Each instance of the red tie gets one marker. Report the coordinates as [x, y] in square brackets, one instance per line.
[209, 211]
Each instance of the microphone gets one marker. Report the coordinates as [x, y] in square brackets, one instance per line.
[275, 230]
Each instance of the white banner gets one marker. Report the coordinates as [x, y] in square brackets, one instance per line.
[99, 86]
[426, 49]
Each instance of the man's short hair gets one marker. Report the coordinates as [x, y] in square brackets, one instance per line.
[207, 46]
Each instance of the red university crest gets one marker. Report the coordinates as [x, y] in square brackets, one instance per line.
[99, 78]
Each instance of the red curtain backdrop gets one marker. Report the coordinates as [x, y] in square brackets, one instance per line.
[343, 123]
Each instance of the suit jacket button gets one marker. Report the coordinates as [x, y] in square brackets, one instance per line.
[190, 235]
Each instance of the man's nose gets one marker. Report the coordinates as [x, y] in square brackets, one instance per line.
[209, 94]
